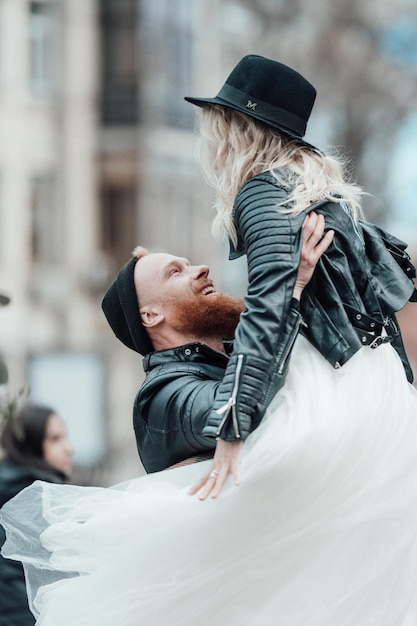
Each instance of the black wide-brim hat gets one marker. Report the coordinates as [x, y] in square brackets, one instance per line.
[268, 91]
[121, 308]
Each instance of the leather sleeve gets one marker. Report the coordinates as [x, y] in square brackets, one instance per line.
[266, 331]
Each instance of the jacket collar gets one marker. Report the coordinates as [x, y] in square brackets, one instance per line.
[192, 352]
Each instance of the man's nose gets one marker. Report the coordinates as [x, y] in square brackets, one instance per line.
[201, 271]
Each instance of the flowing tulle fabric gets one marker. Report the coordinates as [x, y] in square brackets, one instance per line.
[322, 530]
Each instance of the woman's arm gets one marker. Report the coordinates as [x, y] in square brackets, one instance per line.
[226, 457]
[272, 242]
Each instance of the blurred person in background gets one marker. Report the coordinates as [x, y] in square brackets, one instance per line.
[4, 373]
[35, 446]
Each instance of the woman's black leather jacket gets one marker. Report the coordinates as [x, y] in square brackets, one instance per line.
[364, 277]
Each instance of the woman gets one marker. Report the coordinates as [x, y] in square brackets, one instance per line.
[342, 421]
[267, 179]
[35, 447]
[322, 529]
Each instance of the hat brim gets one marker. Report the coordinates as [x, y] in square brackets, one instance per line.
[202, 102]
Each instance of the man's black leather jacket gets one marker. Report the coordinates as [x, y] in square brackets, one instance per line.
[179, 392]
[364, 277]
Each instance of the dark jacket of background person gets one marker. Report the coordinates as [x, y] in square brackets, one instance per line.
[21, 467]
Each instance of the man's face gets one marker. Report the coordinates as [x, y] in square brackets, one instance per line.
[162, 278]
[186, 295]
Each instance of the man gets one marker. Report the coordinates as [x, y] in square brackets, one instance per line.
[169, 311]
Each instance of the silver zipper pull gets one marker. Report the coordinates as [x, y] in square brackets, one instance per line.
[231, 403]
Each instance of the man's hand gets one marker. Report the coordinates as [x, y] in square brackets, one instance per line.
[225, 462]
[314, 244]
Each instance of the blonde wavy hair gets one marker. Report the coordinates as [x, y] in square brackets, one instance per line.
[233, 147]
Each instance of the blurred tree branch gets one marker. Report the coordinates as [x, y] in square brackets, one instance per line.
[339, 45]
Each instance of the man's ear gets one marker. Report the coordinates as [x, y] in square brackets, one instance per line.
[151, 317]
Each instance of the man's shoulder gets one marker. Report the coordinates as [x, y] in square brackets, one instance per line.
[195, 361]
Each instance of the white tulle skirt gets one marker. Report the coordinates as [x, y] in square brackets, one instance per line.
[322, 530]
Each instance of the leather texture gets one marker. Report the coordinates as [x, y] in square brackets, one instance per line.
[358, 270]
[172, 405]
[181, 387]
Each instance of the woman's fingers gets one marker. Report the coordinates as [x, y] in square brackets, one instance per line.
[324, 243]
[225, 462]
[214, 484]
[210, 483]
[198, 485]
[312, 222]
[314, 242]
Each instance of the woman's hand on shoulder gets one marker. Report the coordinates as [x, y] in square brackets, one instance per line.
[314, 244]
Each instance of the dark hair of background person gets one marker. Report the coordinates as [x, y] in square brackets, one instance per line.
[23, 435]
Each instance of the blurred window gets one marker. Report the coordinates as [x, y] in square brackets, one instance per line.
[46, 222]
[178, 54]
[171, 23]
[118, 222]
[73, 384]
[43, 47]
[119, 67]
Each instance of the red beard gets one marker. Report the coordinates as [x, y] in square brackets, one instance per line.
[207, 316]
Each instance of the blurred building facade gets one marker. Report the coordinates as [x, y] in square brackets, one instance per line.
[97, 156]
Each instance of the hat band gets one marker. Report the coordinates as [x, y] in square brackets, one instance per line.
[259, 109]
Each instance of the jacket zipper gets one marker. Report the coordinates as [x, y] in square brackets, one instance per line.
[231, 403]
[388, 321]
[290, 343]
